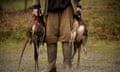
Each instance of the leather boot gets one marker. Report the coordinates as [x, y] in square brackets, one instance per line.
[67, 54]
[52, 55]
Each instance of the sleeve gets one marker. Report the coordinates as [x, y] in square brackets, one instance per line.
[79, 4]
[36, 4]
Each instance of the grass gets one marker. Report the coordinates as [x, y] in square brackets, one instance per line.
[101, 16]
[98, 45]
[104, 45]
[12, 5]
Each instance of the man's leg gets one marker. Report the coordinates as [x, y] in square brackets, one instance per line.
[51, 40]
[67, 53]
[52, 56]
[65, 31]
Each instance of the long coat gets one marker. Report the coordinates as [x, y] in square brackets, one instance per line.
[44, 5]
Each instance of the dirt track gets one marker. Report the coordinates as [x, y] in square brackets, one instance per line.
[95, 61]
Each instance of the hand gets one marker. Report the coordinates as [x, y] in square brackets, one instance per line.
[35, 12]
[78, 9]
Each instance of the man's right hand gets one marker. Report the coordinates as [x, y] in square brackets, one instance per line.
[35, 12]
[78, 9]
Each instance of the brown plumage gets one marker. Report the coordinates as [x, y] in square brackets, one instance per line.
[79, 36]
[36, 37]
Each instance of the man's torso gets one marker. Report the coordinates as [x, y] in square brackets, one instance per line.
[57, 5]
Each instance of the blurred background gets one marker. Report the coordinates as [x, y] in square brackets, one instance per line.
[101, 16]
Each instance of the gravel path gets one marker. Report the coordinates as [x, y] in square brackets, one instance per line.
[95, 61]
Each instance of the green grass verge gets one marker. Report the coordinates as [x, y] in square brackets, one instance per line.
[11, 5]
[102, 18]
[104, 45]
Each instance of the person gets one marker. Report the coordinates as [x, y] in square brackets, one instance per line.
[59, 19]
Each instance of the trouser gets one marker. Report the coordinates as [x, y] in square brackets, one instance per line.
[58, 25]
[58, 28]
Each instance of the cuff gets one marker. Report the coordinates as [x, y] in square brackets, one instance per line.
[79, 6]
[36, 6]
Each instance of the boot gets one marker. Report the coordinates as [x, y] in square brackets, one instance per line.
[52, 55]
[67, 54]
